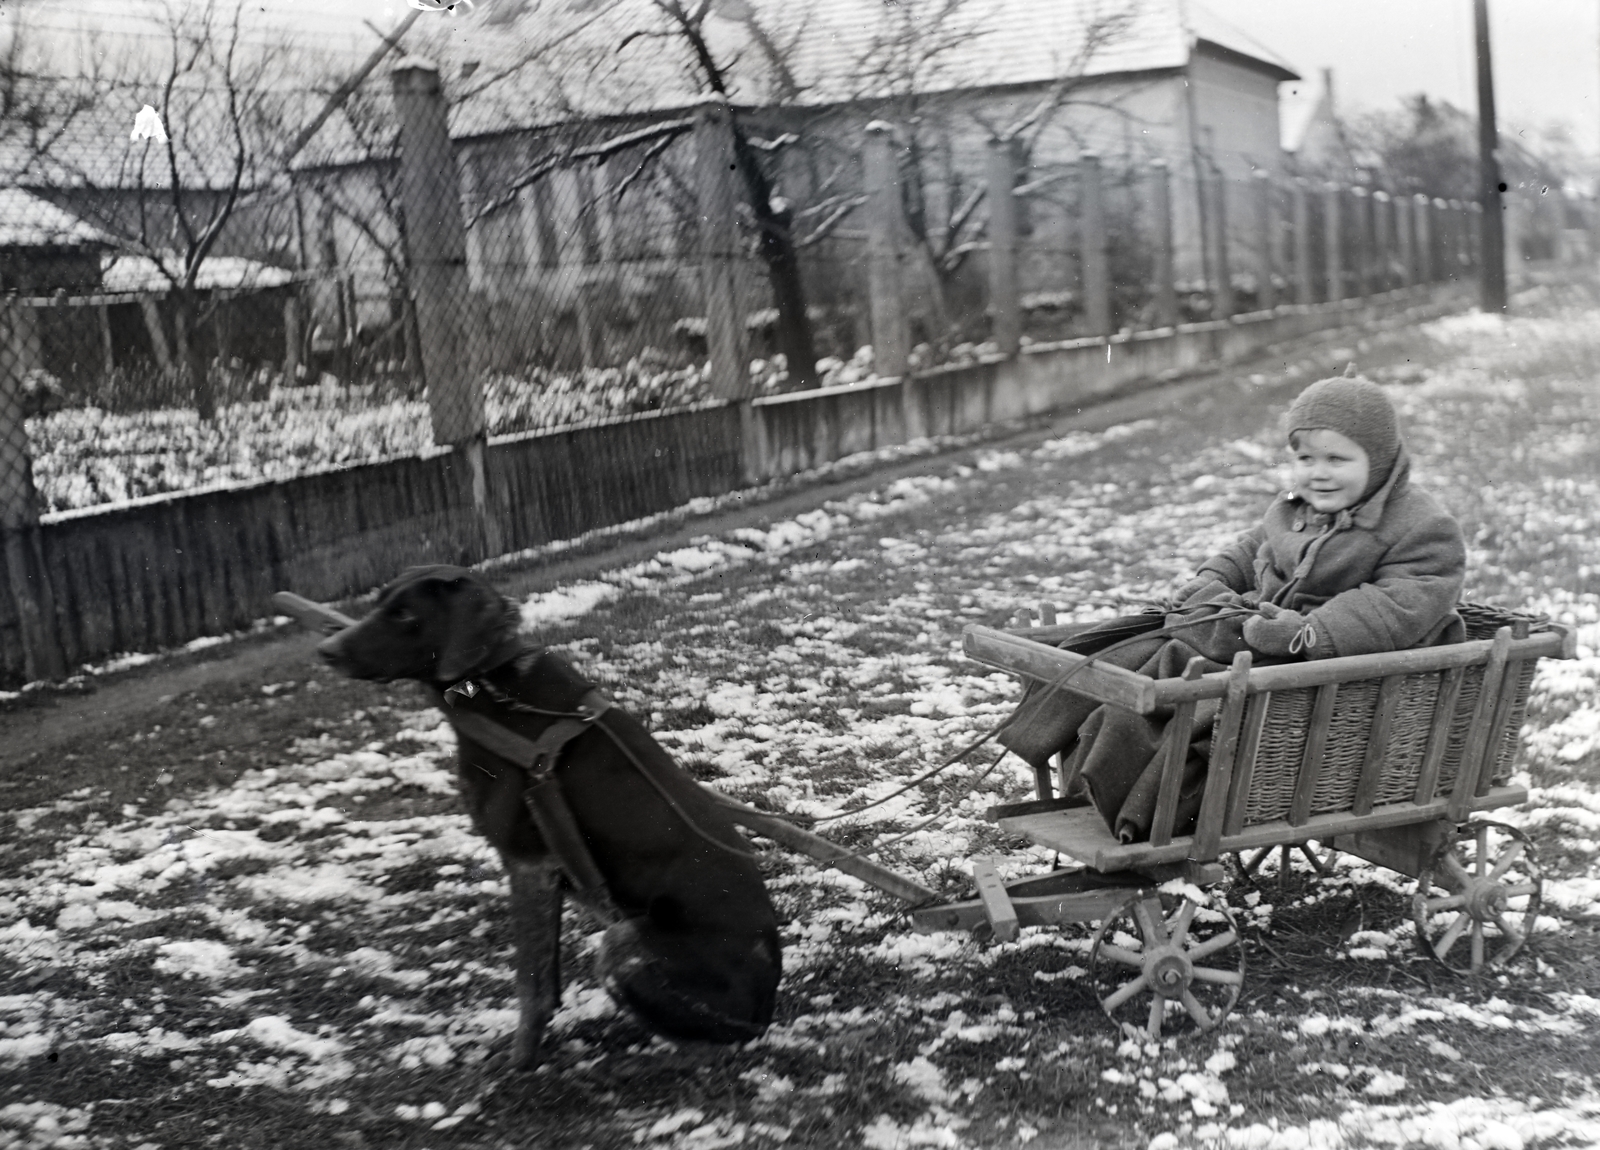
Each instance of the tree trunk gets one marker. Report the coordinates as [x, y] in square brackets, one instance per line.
[794, 335]
[775, 243]
[191, 360]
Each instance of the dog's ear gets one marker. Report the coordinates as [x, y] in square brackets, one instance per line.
[474, 625]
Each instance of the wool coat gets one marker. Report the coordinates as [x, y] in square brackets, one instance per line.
[1382, 576]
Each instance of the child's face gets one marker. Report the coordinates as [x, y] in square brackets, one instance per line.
[1329, 470]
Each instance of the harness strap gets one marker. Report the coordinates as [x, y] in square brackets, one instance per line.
[543, 797]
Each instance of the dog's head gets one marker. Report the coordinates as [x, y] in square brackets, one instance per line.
[437, 624]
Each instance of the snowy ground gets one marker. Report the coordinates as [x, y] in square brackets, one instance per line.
[259, 918]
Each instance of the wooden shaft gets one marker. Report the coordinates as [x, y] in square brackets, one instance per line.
[785, 833]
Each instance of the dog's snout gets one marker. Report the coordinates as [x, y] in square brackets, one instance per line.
[332, 651]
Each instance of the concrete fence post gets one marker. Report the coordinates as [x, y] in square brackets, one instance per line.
[891, 333]
[1360, 242]
[291, 338]
[1475, 232]
[1092, 246]
[1333, 240]
[1422, 236]
[22, 553]
[1305, 281]
[1222, 289]
[1382, 241]
[1267, 228]
[1458, 235]
[1005, 304]
[1405, 241]
[1165, 287]
[886, 253]
[727, 344]
[1439, 231]
[436, 250]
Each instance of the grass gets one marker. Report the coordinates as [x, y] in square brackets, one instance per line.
[810, 676]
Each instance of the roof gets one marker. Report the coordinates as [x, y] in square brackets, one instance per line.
[590, 58]
[142, 274]
[26, 221]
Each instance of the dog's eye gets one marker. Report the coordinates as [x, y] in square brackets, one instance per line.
[403, 616]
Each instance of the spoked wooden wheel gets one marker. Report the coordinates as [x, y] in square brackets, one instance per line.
[1249, 863]
[1165, 961]
[1477, 898]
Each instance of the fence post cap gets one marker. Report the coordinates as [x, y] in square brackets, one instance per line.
[411, 64]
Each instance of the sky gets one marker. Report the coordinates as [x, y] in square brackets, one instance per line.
[1547, 52]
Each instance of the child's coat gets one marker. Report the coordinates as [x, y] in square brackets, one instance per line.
[1383, 576]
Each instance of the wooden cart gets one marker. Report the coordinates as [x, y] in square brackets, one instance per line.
[1387, 757]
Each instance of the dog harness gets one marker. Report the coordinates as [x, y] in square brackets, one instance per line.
[538, 757]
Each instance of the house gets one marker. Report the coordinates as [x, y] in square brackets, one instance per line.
[585, 261]
[44, 249]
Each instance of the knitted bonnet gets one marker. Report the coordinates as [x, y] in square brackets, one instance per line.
[1358, 410]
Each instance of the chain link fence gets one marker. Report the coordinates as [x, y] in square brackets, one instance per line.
[203, 302]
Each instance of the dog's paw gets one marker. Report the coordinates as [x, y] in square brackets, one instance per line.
[522, 1055]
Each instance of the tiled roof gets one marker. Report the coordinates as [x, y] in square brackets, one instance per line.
[29, 222]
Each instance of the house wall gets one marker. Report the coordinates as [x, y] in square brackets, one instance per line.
[591, 265]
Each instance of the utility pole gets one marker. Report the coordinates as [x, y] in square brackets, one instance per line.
[1492, 262]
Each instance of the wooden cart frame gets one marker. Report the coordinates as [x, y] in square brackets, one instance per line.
[1384, 756]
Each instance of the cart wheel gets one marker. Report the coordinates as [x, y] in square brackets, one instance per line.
[1246, 864]
[1158, 952]
[1477, 898]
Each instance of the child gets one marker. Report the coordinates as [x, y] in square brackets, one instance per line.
[1353, 559]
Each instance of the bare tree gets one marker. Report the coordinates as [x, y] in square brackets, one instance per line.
[772, 217]
[909, 65]
[171, 196]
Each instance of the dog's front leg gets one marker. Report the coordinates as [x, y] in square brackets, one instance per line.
[536, 933]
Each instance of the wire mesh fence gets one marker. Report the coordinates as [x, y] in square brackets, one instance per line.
[205, 302]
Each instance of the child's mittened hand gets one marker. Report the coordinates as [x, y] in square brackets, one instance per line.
[1195, 586]
[1283, 633]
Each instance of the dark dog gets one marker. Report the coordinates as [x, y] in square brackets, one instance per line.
[693, 949]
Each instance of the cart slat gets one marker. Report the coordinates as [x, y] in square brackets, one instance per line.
[1377, 744]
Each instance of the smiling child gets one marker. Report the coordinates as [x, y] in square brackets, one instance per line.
[1353, 559]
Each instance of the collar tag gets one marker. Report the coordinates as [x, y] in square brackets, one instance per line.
[466, 688]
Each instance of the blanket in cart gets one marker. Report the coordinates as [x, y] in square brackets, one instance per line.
[1115, 752]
